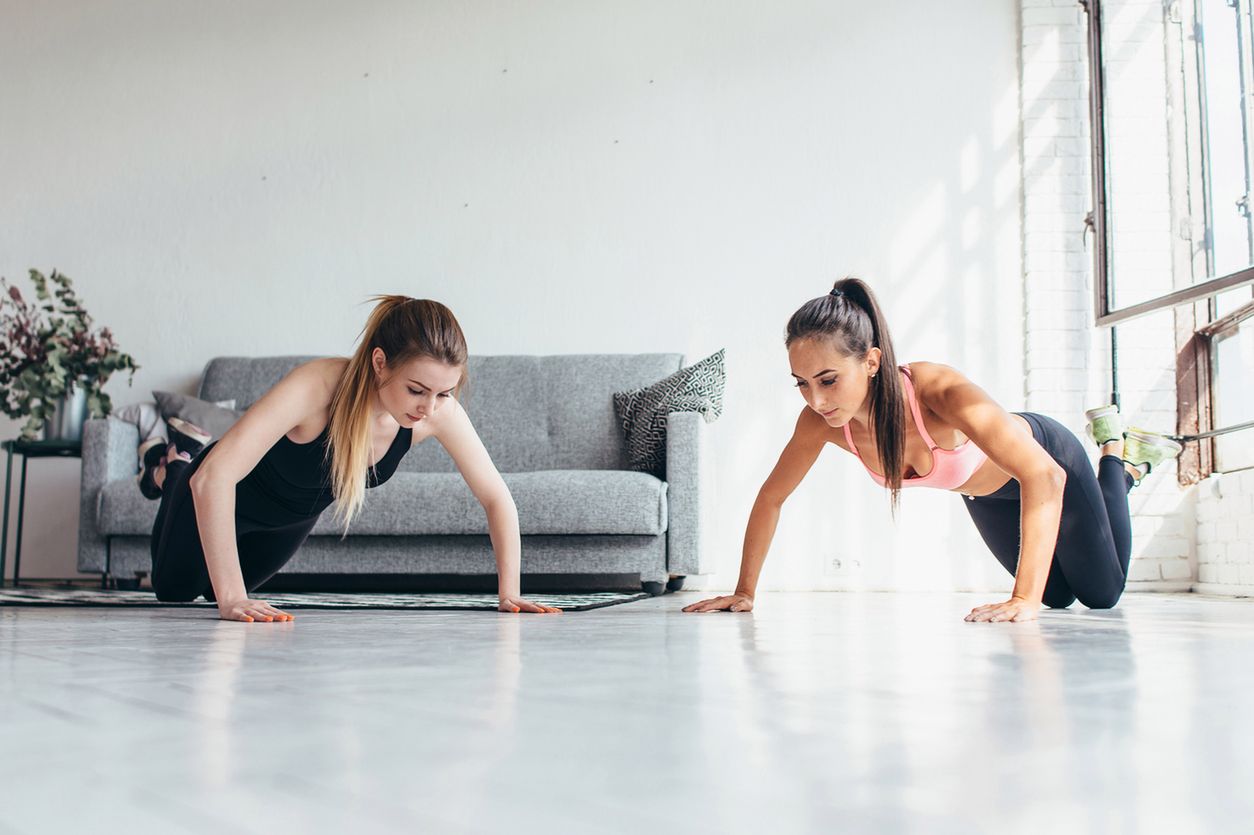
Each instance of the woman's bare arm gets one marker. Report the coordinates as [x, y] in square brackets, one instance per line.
[969, 409]
[303, 394]
[451, 426]
[795, 461]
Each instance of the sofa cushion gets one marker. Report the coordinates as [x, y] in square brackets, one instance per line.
[549, 502]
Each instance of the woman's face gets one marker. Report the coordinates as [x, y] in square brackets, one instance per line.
[415, 390]
[833, 384]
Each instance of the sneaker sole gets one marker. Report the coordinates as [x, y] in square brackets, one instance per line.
[1151, 439]
[1092, 413]
[185, 429]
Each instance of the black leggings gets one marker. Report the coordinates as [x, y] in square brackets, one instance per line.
[179, 572]
[1094, 535]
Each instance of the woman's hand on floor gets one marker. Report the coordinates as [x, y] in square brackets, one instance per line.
[1015, 609]
[249, 611]
[730, 603]
[514, 605]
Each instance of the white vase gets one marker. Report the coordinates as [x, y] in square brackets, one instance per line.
[68, 415]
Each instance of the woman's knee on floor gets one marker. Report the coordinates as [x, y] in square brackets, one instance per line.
[1058, 600]
[180, 590]
[1057, 593]
[1101, 600]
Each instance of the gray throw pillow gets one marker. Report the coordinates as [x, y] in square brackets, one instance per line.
[642, 412]
[211, 417]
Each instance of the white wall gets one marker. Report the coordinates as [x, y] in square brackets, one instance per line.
[568, 176]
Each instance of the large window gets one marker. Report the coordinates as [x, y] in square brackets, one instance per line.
[1173, 208]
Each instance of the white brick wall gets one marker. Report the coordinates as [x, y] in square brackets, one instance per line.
[1068, 359]
[1225, 534]
[1055, 160]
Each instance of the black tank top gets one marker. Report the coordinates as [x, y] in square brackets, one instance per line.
[292, 482]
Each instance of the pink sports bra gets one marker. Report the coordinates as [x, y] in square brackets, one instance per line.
[951, 468]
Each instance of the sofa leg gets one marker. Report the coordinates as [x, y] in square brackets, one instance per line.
[653, 587]
[675, 583]
[132, 583]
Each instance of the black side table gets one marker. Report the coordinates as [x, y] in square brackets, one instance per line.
[28, 450]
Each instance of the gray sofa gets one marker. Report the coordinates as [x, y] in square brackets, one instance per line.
[550, 427]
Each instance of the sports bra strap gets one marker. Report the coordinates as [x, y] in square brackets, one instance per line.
[914, 408]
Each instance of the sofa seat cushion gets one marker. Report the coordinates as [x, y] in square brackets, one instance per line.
[416, 504]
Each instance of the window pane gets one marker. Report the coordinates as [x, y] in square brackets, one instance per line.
[1233, 396]
[1227, 302]
[1215, 120]
[1137, 151]
[1225, 149]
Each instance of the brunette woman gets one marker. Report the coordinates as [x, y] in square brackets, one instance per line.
[1062, 531]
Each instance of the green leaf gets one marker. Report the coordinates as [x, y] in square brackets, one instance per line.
[30, 431]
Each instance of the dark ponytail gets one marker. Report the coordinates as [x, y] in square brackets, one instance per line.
[850, 318]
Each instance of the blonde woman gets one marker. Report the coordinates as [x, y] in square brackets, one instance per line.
[327, 432]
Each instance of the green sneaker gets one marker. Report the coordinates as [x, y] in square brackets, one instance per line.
[1146, 450]
[1105, 425]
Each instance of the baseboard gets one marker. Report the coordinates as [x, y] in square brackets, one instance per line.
[1161, 586]
[1224, 589]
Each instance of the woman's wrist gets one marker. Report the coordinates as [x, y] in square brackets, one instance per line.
[230, 597]
[1030, 599]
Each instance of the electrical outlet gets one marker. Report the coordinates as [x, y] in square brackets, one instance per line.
[842, 565]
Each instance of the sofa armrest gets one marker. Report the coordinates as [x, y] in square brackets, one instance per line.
[109, 447]
[688, 480]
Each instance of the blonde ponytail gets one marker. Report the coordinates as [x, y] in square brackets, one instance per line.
[404, 329]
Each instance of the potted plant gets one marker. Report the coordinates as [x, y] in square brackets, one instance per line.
[53, 362]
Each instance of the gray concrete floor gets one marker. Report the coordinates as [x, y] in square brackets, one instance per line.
[818, 713]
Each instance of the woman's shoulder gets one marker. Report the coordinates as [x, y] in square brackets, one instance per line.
[310, 387]
[932, 374]
[326, 372]
[934, 382]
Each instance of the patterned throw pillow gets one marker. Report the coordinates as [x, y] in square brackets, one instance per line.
[642, 413]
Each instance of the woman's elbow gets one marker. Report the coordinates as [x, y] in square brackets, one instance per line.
[770, 500]
[1053, 479]
[500, 504]
[204, 479]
